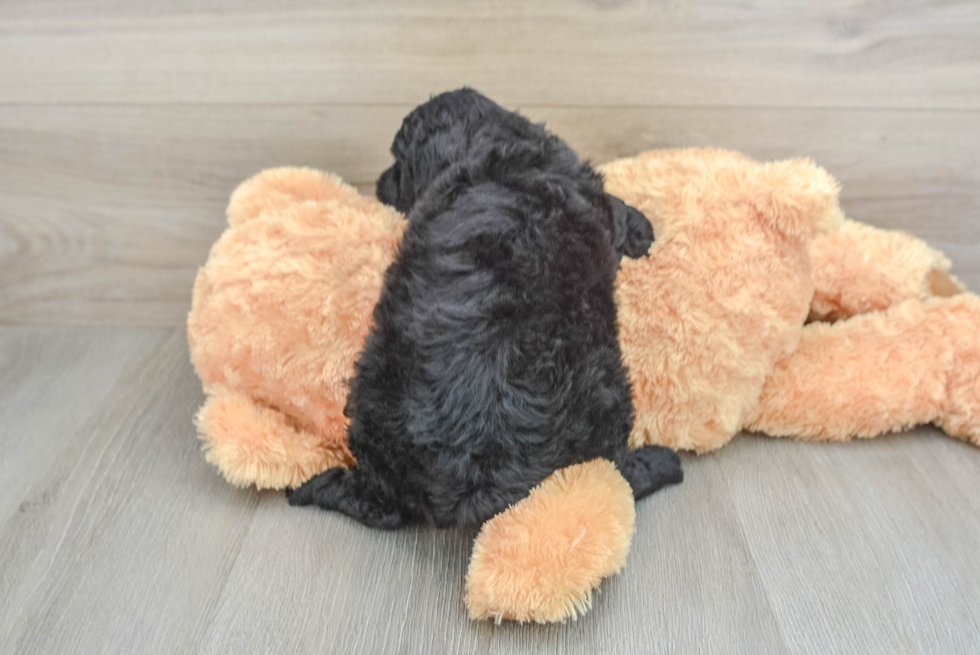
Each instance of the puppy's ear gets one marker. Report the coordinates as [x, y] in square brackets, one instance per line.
[632, 232]
[388, 185]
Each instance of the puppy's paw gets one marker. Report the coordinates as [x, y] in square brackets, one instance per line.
[316, 489]
[386, 190]
[633, 232]
[299, 496]
[639, 235]
[651, 468]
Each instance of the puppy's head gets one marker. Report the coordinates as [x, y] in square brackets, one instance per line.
[432, 137]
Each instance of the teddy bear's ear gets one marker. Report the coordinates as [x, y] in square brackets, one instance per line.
[797, 197]
[277, 188]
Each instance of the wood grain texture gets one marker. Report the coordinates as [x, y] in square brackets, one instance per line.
[114, 546]
[866, 544]
[117, 537]
[125, 124]
[665, 53]
[106, 212]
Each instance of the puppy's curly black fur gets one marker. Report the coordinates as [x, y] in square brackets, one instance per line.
[493, 359]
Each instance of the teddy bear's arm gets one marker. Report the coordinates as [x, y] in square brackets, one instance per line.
[915, 363]
[859, 268]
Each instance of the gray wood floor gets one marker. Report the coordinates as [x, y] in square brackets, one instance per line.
[117, 537]
[124, 125]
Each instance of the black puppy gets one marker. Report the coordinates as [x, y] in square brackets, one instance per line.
[493, 359]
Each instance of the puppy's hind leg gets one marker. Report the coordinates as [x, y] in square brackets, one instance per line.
[344, 491]
[650, 468]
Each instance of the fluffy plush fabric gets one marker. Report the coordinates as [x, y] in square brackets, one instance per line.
[916, 362]
[278, 320]
[725, 291]
[541, 559]
[859, 269]
[279, 314]
[493, 357]
[712, 324]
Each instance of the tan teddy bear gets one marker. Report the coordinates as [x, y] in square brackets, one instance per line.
[712, 323]
[712, 327]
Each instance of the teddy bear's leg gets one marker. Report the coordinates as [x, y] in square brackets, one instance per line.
[917, 362]
[540, 559]
[859, 268]
[961, 411]
[279, 188]
[251, 444]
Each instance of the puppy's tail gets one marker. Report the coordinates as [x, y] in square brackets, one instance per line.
[650, 468]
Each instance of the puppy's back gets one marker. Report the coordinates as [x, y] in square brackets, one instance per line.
[495, 359]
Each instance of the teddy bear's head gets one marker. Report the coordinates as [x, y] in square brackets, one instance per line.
[726, 288]
[280, 311]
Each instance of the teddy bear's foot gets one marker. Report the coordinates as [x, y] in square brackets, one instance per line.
[859, 269]
[918, 362]
[540, 559]
[277, 189]
[255, 445]
[961, 408]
